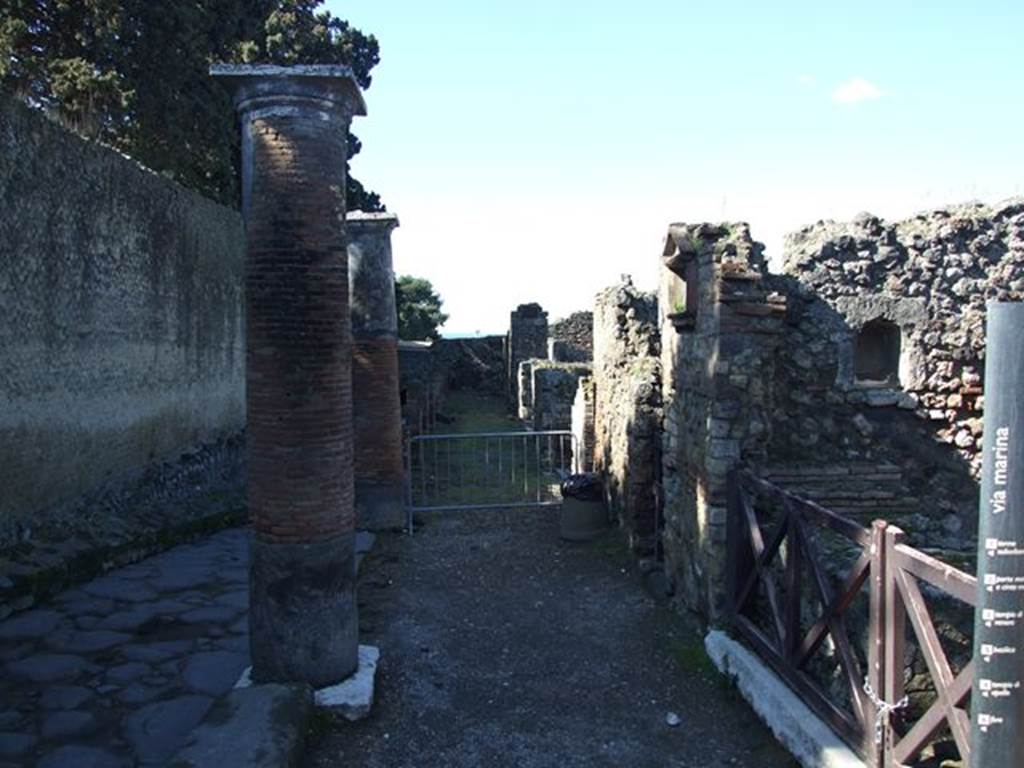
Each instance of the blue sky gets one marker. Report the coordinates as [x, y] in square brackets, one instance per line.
[536, 151]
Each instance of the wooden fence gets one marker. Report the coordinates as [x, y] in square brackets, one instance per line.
[794, 603]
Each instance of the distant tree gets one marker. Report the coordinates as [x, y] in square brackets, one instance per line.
[133, 73]
[419, 309]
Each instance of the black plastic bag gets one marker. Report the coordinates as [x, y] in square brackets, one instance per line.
[583, 487]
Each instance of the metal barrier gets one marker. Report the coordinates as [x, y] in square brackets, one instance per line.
[486, 470]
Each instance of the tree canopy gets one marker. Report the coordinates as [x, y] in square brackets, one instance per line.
[419, 309]
[134, 73]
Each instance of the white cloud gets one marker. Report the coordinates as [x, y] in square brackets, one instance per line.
[855, 90]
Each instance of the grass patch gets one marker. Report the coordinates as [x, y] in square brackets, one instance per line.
[693, 659]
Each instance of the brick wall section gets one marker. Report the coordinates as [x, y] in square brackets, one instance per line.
[377, 415]
[299, 370]
[718, 362]
[377, 420]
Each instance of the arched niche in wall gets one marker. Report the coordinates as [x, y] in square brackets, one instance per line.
[876, 354]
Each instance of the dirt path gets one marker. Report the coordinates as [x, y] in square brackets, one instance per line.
[503, 646]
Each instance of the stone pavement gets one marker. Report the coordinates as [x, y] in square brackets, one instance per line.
[118, 671]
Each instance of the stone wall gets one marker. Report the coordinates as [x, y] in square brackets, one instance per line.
[554, 389]
[583, 424]
[121, 320]
[527, 339]
[924, 282]
[571, 340]
[721, 326]
[627, 408]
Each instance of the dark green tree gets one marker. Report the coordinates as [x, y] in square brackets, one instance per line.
[419, 309]
[133, 73]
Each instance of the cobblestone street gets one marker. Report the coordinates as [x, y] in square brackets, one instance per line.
[117, 672]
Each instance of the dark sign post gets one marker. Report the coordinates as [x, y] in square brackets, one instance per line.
[997, 701]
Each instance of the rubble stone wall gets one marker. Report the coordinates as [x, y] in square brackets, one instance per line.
[928, 278]
[627, 409]
[571, 339]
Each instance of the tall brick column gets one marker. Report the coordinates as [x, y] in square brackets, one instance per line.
[294, 121]
[377, 410]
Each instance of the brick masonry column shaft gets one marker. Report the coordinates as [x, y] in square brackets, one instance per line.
[294, 121]
[377, 407]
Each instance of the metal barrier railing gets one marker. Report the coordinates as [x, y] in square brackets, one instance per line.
[487, 470]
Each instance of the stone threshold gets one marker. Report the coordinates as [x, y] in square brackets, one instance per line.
[798, 729]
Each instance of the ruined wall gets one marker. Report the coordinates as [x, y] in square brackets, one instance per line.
[121, 318]
[583, 424]
[554, 389]
[527, 339]
[720, 330]
[627, 408]
[571, 339]
[924, 281]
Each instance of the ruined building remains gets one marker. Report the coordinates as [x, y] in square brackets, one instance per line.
[854, 378]
[377, 418]
[527, 339]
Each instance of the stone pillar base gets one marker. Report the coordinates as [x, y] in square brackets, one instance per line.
[380, 506]
[303, 620]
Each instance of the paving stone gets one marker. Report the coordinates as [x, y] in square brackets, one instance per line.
[112, 587]
[12, 652]
[259, 727]
[86, 622]
[86, 605]
[65, 725]
[127, 673]
[31, 625]
[86, 641]
[158, 730]
[14, 744]
[137, 693]
[238, 598]
[211, 614]
[213, 672]
[156, 652]
[74, 756]
[240, 627]
[236, 643]
[48, 667]
[184, 578]
[131, 619]
[65, 697]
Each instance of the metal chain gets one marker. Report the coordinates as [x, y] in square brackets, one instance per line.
[882, 709]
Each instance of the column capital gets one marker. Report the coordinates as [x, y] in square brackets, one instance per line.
[269, 89]
[364, 220]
